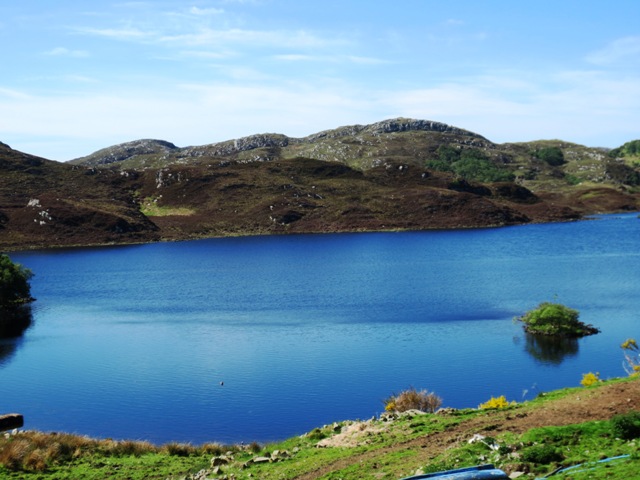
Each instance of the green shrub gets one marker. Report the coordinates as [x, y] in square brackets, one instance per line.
[481, 170]
[541, 454]
[470, 164]
[555, 319]
[626, 425]
[14, 283]
[551, 155]
[572, 179]
[629, 148]
[317, 434]
[438, 166]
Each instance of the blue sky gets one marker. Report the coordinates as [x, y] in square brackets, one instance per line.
[78, 76]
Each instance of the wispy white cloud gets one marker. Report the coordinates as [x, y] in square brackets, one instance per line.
[254, 38]
[297, 57]
[510, 106]
[205, 11]
[80, 79]
[580, 106]
[622, 49]
[207, 54]
[240, 75]
[14, 94]
[65, 52]
[243, 73]
[127, 33]
[206, 41]
[367, 60]
[301, 57]
[251, 2]
[197, 26]
[195, 114]
[134, 4]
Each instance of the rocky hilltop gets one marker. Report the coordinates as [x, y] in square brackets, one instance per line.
[395, 174]
[371, 143]
[124, 151]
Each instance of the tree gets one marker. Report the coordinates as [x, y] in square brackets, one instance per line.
[552, 155]
[557, 320]
[480, 170]
[15, 289]
[470, 164]
[628, 149]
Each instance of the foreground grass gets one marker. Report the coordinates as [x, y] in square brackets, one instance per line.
[389, 447]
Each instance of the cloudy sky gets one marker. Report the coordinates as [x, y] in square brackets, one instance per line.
[81, 75]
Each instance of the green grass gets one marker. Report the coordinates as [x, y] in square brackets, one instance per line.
[543, 450]
[570, 445]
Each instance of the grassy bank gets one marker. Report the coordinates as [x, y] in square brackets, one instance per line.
[557, 429]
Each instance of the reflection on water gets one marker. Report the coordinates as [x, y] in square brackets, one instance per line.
[13, 323]
[550, 350]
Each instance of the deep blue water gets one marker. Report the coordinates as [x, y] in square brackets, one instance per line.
[304, 330]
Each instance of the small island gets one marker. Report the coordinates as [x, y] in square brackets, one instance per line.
[555, 319]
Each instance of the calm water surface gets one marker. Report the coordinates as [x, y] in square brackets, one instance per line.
[304, 330]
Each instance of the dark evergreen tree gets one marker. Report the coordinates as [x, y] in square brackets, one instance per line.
[552, 155]
[15, 289]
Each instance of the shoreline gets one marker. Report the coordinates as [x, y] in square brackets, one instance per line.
[392, 445]
[186, 238]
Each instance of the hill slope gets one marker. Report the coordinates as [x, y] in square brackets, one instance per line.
[394, 174]
[45, 203]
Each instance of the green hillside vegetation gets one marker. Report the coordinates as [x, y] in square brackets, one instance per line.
[470, 164]
[591, 424]
[630, 151]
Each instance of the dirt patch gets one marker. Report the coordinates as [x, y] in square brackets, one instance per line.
[353, 434]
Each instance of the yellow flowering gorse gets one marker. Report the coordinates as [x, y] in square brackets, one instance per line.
[496, 402]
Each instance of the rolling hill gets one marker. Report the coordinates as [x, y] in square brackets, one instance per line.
[390, 175]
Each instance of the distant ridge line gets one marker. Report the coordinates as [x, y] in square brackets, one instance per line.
[134, 148]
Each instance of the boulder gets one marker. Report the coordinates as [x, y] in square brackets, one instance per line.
[261, 460]
[11, 421]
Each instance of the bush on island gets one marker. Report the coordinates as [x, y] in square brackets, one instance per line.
[556, 320]
[15, 296]
[15, 289]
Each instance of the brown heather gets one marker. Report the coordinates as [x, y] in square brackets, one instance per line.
[37, 451]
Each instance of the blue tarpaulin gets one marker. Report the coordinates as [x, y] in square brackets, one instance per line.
[480, 472]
